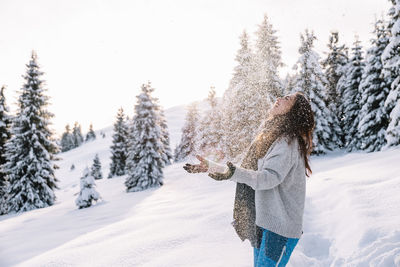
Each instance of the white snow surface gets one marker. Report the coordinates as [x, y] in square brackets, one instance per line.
[351, 216]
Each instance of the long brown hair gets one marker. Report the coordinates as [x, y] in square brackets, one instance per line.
[298, 123]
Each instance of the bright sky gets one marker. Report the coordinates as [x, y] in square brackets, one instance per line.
[96, 54]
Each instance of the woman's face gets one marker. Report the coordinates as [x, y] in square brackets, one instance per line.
[283, 104]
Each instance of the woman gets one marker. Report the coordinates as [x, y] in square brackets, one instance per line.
[270, 191]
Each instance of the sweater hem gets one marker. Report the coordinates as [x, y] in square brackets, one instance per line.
[272, 224]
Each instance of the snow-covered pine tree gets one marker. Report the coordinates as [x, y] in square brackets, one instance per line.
[202, 137]
[130, 137]
[166, 151]
[91, 134]
[392, 16]
[95, 170]
[209, 134]
[348, 86]
[119, 146]
[31, 149]
[88, 192]
[391, 64]
[312, 81]
[239, 81]
[389, 73]
[187, 145]
[336, 59]
[77, 135]
[245, 104]
[5, 134]
[374, 90]
[67, 140]
[145, 163]
[268, 61]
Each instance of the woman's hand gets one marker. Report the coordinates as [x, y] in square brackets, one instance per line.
[196, 168]
[226, 175]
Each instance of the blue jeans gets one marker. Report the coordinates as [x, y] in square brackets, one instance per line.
[275, 250]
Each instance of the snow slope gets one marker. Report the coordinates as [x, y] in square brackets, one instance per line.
[351, 217]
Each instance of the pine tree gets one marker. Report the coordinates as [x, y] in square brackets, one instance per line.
[5, 134]
[166, 151]
[145, 163]
[67, 140]
[88, 192]
[392, 16]
[336, 59]
[203, 138]
[348, 86]
[389, 73]
[77, 135]
[268, 61]
[31, 149]
[91, 134]
[333, 65]
[209, 135]
[245, 59]
[240, 81]
[312, 81]
[374, 90]
[187, 145]
[245, 104]
[95, 170]
[391, 63]
[119, 146]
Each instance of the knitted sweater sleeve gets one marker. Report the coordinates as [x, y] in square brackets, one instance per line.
[276, 165]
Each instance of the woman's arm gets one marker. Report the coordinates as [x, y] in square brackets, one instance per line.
[277, 165]
[205, 166]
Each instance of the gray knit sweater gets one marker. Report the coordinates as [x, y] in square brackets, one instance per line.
[280, 188]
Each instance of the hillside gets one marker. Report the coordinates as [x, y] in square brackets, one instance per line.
[351, 217]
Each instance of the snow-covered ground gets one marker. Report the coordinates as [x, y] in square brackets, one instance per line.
[352, 217]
